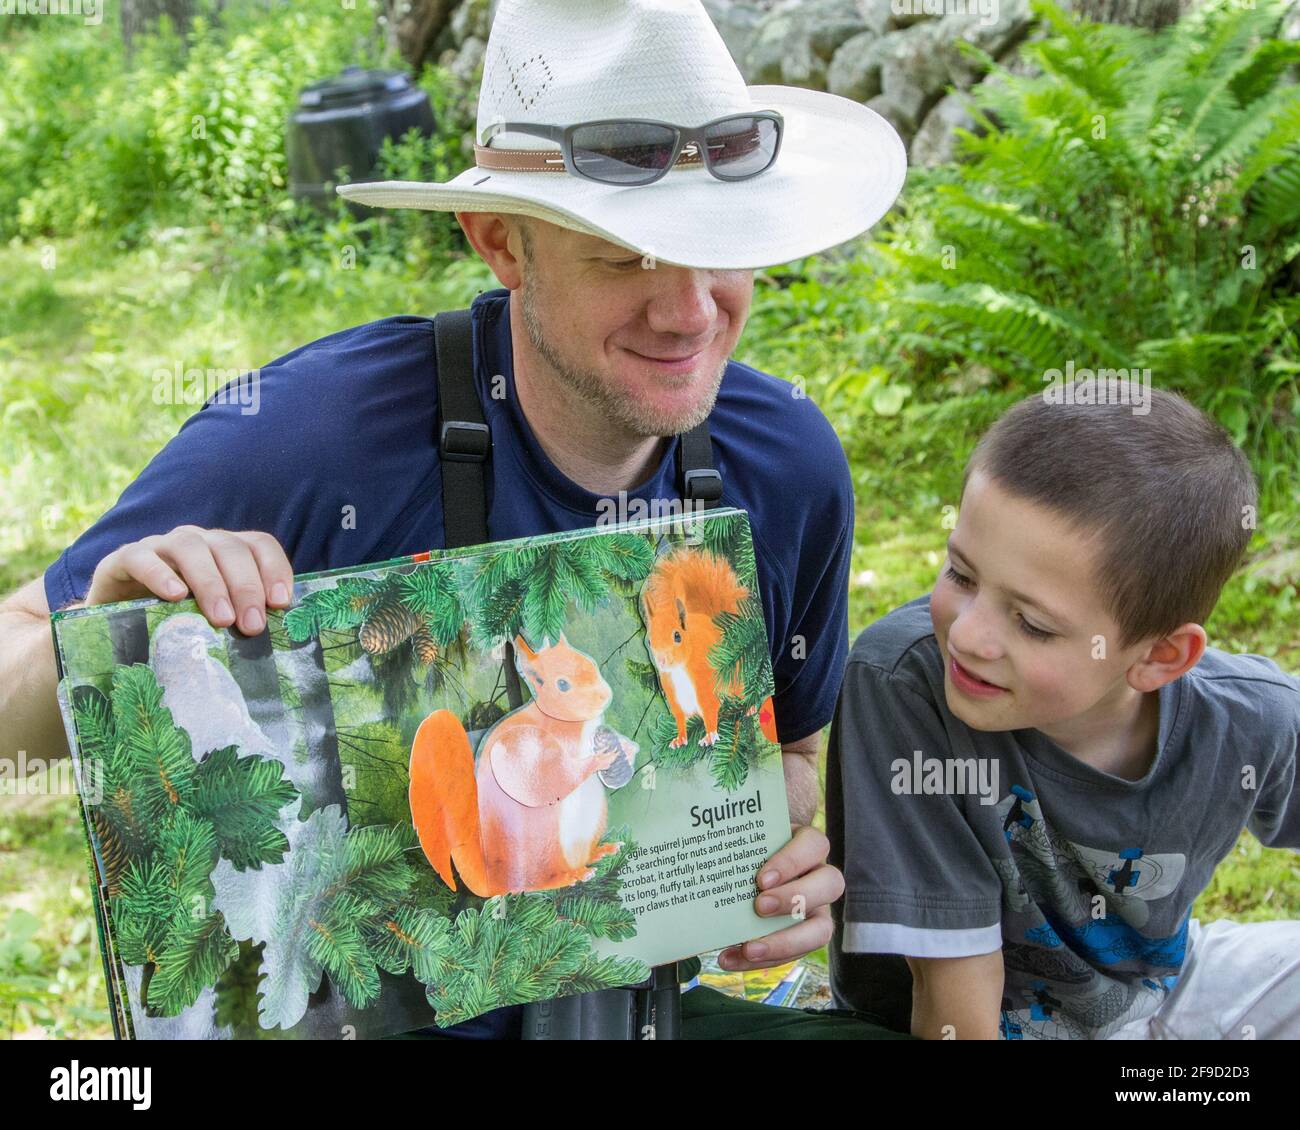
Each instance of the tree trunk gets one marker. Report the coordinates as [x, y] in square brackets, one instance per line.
[308, 673]
[413, 27]
[1136, 13]
[139, 15]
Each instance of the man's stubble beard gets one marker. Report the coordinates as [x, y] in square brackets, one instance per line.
[591, 389]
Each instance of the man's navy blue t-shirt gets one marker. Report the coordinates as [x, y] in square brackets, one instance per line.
[345, 427]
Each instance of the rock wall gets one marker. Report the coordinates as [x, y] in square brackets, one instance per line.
[903, 58]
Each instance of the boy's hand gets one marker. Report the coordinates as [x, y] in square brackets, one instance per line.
[796, 880]
[234, 577]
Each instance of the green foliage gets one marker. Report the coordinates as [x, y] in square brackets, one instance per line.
[739, 746]
[743, 651]
[731, 539]
[163, 822]
[21, 981]
[428, 591]
[528, 588]
[514, 949]
[1134, 204]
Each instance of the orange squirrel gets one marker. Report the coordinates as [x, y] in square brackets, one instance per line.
[531, 816]
[686, 590]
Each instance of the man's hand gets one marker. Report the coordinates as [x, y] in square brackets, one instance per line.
[796, 880]
[234, 577]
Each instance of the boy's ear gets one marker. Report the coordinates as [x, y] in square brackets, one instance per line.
[1169, 657]
[521, 646]
[563, 640]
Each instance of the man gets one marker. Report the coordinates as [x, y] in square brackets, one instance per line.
[621, 303]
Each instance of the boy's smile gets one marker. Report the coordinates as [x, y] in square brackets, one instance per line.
[1027, 642]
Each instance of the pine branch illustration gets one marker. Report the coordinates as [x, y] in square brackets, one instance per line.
[242, 798]
[155, 751]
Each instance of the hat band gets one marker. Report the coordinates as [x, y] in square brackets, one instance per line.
[544, 160]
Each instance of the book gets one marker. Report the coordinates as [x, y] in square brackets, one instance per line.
[433, 786]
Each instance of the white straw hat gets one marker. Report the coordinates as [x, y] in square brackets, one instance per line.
[559, 62]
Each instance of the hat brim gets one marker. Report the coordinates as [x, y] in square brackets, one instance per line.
[840, 169]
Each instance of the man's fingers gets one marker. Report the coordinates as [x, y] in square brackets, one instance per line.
[188, 552]
[233, 577]
[274, 566]
[243, 578]
[783, 945]
[808, 848]
[137, 565]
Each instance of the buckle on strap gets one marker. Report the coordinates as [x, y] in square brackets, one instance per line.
[704, 485]
[464, 442]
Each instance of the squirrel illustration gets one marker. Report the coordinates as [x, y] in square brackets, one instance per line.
[531, 815]
[686, 590]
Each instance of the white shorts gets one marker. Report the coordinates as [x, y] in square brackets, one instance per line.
[1240, 981]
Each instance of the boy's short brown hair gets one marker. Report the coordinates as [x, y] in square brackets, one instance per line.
[1167, 493]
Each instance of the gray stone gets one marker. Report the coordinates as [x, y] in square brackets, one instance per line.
[915, 70]
[855, 70]
[831, 23]
[875, 15]
[995, 37]
[908, 13]
[795, 44]
[1290, 28]
[465, 64]
[935, 142]
[736, 23]
[888, 109]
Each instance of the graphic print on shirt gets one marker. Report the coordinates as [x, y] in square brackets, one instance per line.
[1083, 967]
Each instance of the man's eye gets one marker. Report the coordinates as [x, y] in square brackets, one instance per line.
[626, 263]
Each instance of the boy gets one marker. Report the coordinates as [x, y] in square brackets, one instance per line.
[1034, 770]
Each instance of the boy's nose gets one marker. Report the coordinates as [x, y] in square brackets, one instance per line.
[972, 635]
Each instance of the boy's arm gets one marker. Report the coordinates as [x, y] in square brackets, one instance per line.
[956, 998]
[1275, 818]
[919, 873]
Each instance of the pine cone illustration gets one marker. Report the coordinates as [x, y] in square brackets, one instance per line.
[620, 772]
[422, 643]
[389, 625]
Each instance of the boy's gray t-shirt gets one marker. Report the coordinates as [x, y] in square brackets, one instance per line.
[987, 840]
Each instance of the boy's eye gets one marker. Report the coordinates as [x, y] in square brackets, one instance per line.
[1030, 630]
[563, 684]
[959, 579]
[963, 581]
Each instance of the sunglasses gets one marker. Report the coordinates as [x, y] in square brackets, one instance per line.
[637, 151]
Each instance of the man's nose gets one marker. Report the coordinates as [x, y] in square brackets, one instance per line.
[682, 302]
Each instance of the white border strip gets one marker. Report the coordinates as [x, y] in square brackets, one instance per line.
[893, 937]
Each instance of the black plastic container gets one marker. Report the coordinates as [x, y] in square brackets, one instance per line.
[342, 121]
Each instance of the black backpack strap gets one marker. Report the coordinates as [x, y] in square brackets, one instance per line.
[464, 441]
[464, 447]
[697, 478]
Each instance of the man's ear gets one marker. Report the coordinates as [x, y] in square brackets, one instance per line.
[1169, 657]
[499, 243]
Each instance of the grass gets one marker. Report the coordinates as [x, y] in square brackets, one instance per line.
[84, 324]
